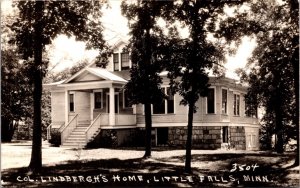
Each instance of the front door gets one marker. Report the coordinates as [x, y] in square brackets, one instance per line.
[116, 103]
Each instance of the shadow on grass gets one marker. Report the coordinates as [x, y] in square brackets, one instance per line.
[156, 172]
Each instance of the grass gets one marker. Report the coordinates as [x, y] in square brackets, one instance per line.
[109, 167]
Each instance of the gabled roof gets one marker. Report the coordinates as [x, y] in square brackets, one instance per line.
[54, 83]
[118, 44]
[107, 75]
[98, 72]
[120, 40]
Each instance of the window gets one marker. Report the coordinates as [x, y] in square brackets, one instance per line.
[225, 134]
[166, 106]
[211, 101]
[126, 101]
[236, 104]
[116, 61]
[98, 100]
[224, 101]
[250, 110]
[170, 102]
[252, 140]
[125, 61]
[116, 104]
[159, 107]
[71, 102]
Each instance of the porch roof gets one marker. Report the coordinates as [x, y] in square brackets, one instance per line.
[98, 72]
[103, 73]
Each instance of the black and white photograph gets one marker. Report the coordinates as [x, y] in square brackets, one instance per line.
[150, 93]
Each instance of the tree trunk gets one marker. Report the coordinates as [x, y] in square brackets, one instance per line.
[188, 155]
[279, 131]
[295, 62]
[7, 129]
[294, 14]
[36, 155]
[148, 122]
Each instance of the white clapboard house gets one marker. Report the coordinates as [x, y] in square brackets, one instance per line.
[91, 105]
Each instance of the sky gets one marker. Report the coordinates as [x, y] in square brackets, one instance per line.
[64, 51]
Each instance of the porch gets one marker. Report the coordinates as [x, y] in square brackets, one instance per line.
[93, 98]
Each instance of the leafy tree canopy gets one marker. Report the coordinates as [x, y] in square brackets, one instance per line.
[274, 65]
[146, 50]
[73, 18]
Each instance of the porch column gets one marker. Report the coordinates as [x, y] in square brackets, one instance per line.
[112, 118]
[92, 105]
[66, 106]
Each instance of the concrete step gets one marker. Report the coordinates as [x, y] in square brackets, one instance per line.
[70, 145]
[80, 128]
[74, 142]
[75, 139]
[77, 135]
[79, 131]
[83, 125]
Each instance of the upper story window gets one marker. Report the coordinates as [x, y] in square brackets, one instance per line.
[116, 61]
[98, 100]
[159, 107]
[125, 61]
[236, 104]
[250, 110]
[224, 101]
[210, 101]
[71, 102]
[166, 106]
[170, 101]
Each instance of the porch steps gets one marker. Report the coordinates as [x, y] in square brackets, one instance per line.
[77, 138]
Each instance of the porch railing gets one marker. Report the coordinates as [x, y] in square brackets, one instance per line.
[93, 128]
[125, 119]
[49, 132]
[67, 130]
[49, 128]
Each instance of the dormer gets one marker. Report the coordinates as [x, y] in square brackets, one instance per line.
[119, 60]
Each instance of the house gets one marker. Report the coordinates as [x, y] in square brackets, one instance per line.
[91, 107]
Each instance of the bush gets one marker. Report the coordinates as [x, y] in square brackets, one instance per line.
[55, 139]
[109, 139]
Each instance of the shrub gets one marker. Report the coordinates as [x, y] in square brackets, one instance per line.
[55, 139]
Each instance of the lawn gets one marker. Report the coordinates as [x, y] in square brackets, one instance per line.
[125, 167]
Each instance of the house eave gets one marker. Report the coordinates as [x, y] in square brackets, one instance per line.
[92, 84]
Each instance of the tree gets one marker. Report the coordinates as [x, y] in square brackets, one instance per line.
[145, 43]
[16, 89]
[67, 72]
[274, 66]
[193, 57]
[37, 24]
[16, 93]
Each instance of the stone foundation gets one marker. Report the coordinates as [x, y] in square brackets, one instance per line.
[202, 138]
[237, 138]
[208, 137]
